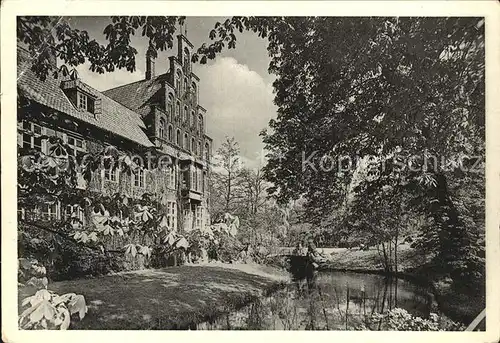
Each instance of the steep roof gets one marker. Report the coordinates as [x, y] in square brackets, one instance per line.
[138, 95]
[114, 117]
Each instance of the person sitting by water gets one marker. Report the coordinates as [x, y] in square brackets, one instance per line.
[300, 250]
[314, 255]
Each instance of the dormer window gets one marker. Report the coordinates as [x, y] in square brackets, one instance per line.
[85, 103]
[82, 101]
[82, 96]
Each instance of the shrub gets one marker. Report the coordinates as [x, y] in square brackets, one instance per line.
[399, 319]
[46, 309]
[64, 259]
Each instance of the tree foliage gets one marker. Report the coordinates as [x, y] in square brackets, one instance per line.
[226, 178]
[53, 37]
[408, 89]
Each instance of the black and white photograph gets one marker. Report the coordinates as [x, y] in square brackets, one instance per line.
[250, 172]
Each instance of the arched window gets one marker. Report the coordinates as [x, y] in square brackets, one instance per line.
[200, 123]
[178, 139]
[193, 146]
[194, 93]
[186, 114]
[186, 141]
[178, 80]
[161, 129]
[193, 119]
[200, 150]
[177, 110]
[186, 84]
[187, 60]
[207, 151]
[170, 107]
[170, 133]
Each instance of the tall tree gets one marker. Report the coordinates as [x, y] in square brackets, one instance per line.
[226, 177]
[254, 189]
[410, 88]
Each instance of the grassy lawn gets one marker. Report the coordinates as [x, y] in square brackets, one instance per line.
[166, 298]
[371, 260]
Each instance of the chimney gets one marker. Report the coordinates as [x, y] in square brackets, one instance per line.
[150, 67]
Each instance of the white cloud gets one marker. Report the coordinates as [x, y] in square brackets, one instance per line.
[239, 103]
[105, 81]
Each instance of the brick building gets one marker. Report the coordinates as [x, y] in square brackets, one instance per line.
[160, 112]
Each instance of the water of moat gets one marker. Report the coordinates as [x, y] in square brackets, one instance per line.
[331, 300]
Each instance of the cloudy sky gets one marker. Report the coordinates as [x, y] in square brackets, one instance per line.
[235, 88]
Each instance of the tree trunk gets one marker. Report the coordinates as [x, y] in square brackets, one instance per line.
[386, 262]
[453, 237]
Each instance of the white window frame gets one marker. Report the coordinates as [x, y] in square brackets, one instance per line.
[107, 174]
[172, 214]
[139, 178]
[161, 129]
[52, 213]
[171, 176]
[32, 135]
[198, 216]
[82, 101]
[194, 178]
[200, 180]
[75, 148]
[70, 209]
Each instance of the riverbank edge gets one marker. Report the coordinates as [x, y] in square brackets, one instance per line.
[236, 305]
[439, 297]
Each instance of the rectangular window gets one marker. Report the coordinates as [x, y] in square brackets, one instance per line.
[171, 177]
[172, 214]
[75, 211]
[76, 146]
[177, 111]
[111, 174]
[139, 177]
[199, 216]
[205, 182]
[85, 103]
[48, 211]
[31, 136]
[82, 101]
[185, 177]
[194, 179]
[200, 181]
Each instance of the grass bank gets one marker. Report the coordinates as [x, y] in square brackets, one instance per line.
[169, 298]
[460, 303]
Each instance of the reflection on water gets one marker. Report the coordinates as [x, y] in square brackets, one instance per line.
[329, 301]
